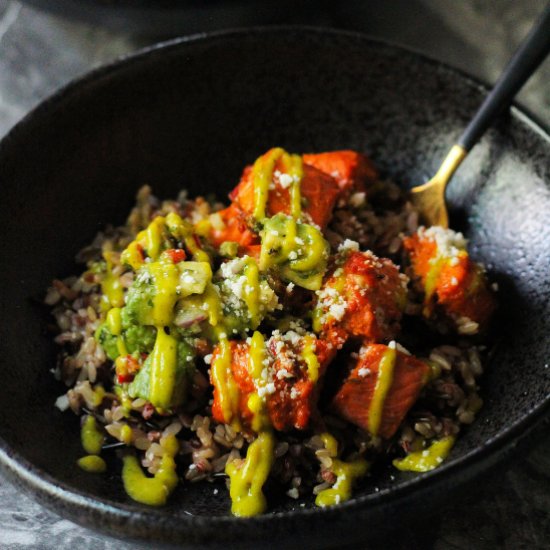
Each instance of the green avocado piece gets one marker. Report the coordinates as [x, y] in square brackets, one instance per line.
[139, 338]
[107, 341]
[185, 369]
[139, 300]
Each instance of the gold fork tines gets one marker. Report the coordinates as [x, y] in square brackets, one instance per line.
[429, 198]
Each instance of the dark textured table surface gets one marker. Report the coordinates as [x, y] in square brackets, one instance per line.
[40, 52]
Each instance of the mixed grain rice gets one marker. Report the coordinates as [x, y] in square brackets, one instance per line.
[302, 465]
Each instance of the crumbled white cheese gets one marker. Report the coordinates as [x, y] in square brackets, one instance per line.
[283, 373]
[292, 337]
[449, 243]
[208, 359]
[232, 267]
[285, 180]
[337, 311]
[348, 244]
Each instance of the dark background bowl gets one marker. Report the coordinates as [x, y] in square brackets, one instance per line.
[190, 115]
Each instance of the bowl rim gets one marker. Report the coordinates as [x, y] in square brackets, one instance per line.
[83, 507]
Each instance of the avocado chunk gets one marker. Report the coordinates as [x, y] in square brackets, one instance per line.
[107, 340]
[185, 369]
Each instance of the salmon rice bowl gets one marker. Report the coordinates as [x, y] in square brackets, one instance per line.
[295, 338]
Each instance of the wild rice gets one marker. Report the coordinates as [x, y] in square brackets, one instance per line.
[304, 466]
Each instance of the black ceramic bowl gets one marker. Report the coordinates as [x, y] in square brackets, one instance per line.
[190, 114]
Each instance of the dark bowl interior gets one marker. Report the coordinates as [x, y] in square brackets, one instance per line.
[190, 115]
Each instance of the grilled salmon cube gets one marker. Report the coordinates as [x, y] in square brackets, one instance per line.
[364, 297]
[234, 227]
[353, 171]
[380, 390]
[453, 286]
[288, 385]
[293, 402]
[318, 191]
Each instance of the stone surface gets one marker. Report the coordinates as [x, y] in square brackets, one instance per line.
[40, 52]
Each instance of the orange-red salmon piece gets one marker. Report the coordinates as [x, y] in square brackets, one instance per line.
[350, 169]
[369, 292]
[459, 286]
[236, 229]
[292, 400]
[318, 191]
[462, 290]
[354, 399]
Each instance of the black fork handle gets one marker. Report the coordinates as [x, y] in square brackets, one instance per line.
[527, 58]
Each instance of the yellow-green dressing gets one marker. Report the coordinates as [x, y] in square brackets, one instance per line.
[112, 292]
[154, 238]
[310, 358]
[153, 491]
[426, 459]
[90, 436]
[381, 389]
[163, 369]
[166, 279]
[298, 249]
[260, 419]
[248, 478]
[262, 175]
[252, 290]
[223, 380]
[213, 305]
[346, 474]
[92, 463]
[114, 321]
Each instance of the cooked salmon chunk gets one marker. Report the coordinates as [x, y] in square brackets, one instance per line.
[380, 389]
[453, 286]
[288, 383]
[353, 171]
[364, 297]
[233, 227]
[299, 365]
[318, 190]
